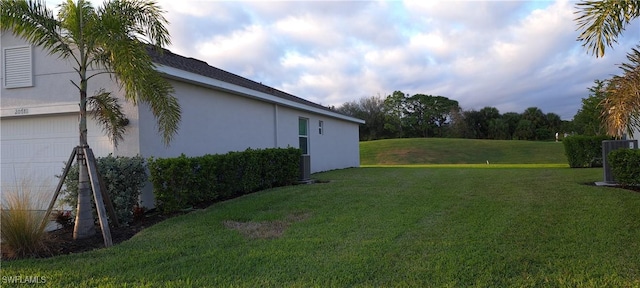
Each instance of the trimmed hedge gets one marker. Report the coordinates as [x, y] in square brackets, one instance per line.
[625, 166]
[124, 178]
[584, 151]
[184, 182]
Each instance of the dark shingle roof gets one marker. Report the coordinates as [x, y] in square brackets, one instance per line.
[196, 66]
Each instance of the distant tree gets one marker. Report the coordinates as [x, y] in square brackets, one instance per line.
[511, 119]
[445, 128]
[554, 122]
[543, 133]
[567, 127]
[499, 129]
[427, 115]
[458, 127]
[371, 110]
[588, 120]
[525, 130]
[395, 109]
[474, 124]
[488, 115]
[536, 116]
[478, 121]
[418, 116]
[443, 108]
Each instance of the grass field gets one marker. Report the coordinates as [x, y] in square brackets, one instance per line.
[438, 217]
[460, 151]
[383, 227]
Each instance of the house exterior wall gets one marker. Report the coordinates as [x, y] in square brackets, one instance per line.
[636, 135]
[53, 93]
[213, 122]
[217, 117]
[35, 148]
[52, 80]
[39, 124]
[217, 122]
[337, 147]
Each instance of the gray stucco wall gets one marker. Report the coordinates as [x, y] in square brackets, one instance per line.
[216, 122]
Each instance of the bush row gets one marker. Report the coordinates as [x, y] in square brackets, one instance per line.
[625, 166]
[123, 177]
[584, 151]
[183, 182]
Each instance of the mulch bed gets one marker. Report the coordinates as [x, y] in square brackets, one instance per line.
[60, 242]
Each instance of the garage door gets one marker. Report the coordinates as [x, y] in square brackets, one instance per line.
[34, 149]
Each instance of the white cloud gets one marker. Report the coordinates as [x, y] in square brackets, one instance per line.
[506, 54]
[307, 30]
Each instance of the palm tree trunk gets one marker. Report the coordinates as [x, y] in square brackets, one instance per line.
[85, 223]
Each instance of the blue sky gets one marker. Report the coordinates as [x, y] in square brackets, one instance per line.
[506, 54]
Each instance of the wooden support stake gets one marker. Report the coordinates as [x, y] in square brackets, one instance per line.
[107, 201]
[97, 196]
[45, 220]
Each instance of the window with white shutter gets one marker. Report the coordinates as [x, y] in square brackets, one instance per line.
[18, 67]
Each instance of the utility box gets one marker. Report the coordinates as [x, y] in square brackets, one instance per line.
[305, 168]
[610, 145]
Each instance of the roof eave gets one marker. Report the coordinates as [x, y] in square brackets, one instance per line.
[179, 74]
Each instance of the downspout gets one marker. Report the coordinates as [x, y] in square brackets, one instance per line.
[275, 125]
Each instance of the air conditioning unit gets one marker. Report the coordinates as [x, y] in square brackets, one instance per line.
[305, 168]
[607, 147]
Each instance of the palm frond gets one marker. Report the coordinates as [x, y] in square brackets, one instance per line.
[144, 20]
[615, 117]
[112, 38]
[107, 111]
[76, 19]
[34, 22]
[601, 22]
[164, 106]
[125, 54]
[622, 104]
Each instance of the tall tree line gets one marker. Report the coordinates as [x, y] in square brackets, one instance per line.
[401, 115]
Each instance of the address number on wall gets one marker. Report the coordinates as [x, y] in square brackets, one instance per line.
[21, 111]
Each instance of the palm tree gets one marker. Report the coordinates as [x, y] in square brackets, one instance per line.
[601, 23]
[112, 39]
[622, 104]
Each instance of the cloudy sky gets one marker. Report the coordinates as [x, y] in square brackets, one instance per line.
[507, 54]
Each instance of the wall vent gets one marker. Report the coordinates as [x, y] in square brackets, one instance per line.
[18, 67]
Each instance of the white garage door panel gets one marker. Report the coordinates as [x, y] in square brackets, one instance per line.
[34, 149]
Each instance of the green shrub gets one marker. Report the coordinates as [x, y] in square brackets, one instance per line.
[183, 182]
[625, 166]
[584, 151]
[22, 213]
[175, 182]
[123, 177]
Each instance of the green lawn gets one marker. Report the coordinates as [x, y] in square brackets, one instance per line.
[460, 151]
[417, 227]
